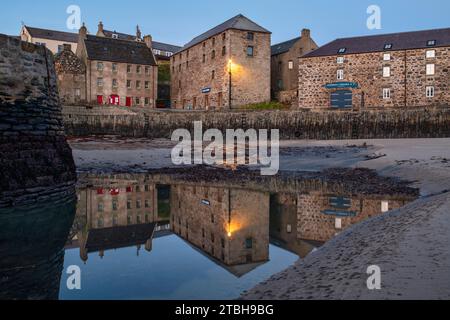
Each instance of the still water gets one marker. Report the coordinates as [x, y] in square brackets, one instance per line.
[175, 236]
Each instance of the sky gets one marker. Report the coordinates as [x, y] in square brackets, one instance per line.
[178, 21]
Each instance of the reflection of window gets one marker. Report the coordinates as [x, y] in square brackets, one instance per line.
[340, 74]
[386, 72]
[101, 207]
[115, 221]
[430, 69]
[386, 93]
[431, 54]
[430, 92]
[250, 51]
[100, 223]
[249, 243]
[129, 204]
[115, 205]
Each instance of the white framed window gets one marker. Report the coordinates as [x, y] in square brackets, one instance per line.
[100, 82]
[129, 84]
[384, 206]
[157, 52]
[386, 93]
[430, 92]
[386, 72]
[291, 65]
[340, 74]
[387, 57]
[431, 54]
[340, 60]
[431, 69]
[338, 223]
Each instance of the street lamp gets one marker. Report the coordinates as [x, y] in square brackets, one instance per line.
[230, 66]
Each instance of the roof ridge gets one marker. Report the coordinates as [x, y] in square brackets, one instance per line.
[390, 34]
[280, 43]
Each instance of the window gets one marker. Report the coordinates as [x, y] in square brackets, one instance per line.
[129, 84]
[204, 58]
[114, 83]
[291, 65]
[147, 70]
[138, 84]
[340, 74]
[115, 36]
[114, 67]
[100, 223]
[137, 101]
[430, 69]
[147, 84]
[129, 205]
[138, 204]
[99, 66]
[147, 203]
[138, 69]
[213, 74]
[386, 72]
[129, 68]
[60, 48]
[157, 52]
[213, 54]
[280, 84]
[388, 46]
[431, 54]
[100, 82]
[248, 243]
[430, 92]
[342, 50]
[250, 51]
[77, 92]
[386, 93]
[101, 207]
[213, 41]
[115, 205]
[146, 101]
[224, 50]
[384, 206]
[250, 36]
[387, 57]
[224, 37]
[169, 54]
[340, 60]
[431, 43]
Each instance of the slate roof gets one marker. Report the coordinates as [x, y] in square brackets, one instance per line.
[53, 34]
[399, 41]
[121, 36]
[239, 22]
[121, 51]
[283, 46]
[165, 47]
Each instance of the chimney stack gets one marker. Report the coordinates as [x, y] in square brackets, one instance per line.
[67, 47]
[100, 32]
[138, 33]
[306, 33]
[148, 41]
[83, 32]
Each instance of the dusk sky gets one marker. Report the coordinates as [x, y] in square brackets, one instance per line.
[178, 21]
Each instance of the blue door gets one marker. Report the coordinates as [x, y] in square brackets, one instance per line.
[341, 99]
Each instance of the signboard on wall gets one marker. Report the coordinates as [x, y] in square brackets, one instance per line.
[206, 90]
[341, 85]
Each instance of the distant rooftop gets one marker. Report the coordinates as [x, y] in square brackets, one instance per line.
[52, 34]
[283, 46]
[238, 22]
[386, 42]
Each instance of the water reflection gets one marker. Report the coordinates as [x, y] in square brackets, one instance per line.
[32, 243]
[230, 222]
[244, 227]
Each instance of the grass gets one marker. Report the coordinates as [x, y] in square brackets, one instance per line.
[273, 105]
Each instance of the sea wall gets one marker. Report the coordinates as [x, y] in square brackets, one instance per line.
[325, 125]
[35, 160]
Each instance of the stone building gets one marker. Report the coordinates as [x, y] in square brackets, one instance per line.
[52, 39]
[233, 55]
[284, 66]
[71, 73]
[408, 69]
[162, 52]
[119, 72]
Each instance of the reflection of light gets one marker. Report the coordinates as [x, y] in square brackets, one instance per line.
[229, 234]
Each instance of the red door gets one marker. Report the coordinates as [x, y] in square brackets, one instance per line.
[100, 100]
[128, 102]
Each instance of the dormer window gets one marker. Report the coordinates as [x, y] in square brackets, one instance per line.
[115, 36]
[388, 46]
[342, 50]
[431, 43]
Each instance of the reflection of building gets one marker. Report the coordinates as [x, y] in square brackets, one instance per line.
[230, 225]
[117, 213]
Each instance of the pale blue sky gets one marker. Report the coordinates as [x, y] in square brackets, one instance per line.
[178, 21]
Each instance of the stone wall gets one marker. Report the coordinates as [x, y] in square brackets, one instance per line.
[35, 160]
[398, 123]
